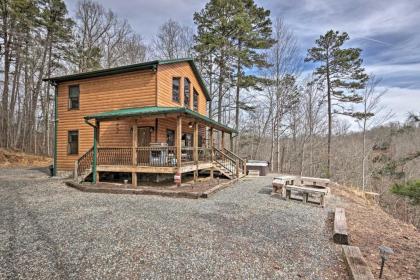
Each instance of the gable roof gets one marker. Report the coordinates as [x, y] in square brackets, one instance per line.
[155, 110]
[130, 68]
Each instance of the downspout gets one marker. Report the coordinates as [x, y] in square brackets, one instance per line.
[95, 150]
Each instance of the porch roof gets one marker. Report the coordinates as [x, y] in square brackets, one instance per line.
[154, 110]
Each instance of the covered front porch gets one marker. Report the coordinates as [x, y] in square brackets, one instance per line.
[157, 140]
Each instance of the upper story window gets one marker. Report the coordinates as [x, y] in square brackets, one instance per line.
[74, 93]
[187, 92]
[73, 142]
[195, 100]
[175, 89]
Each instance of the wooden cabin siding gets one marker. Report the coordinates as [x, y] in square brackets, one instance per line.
[135, 89]
[183, 70]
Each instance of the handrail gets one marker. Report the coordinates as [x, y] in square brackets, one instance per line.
[226, 161]
[242, 165]
[225, 155]
[83, 163]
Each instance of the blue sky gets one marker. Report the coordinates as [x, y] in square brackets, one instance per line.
[388, 31]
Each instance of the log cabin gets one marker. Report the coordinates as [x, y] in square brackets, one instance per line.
[146, 120]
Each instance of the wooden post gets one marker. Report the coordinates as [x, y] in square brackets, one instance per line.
[231, 142]
[76, 166]
[211, 152]
[178, 138]
[95, 154]
[223, 141]
[134, 156]
[195, 155]
[237, 168]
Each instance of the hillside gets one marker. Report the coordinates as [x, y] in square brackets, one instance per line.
[14, 158]
[370, 227]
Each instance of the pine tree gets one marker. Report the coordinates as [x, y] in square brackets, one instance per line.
[231, 33]
[341, 69]
[253, 34]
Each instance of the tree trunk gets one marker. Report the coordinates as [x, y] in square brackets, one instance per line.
[329, 118]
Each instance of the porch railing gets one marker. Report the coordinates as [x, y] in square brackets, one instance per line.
[226, 161]
[156, 156]
[160, 157]
[241, 161]
[204, 154]
[114, 156]
[83, 164]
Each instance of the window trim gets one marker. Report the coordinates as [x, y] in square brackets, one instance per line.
[195, 95]
[189, 92]
[179, 89]
[68, 142]
[69, 99]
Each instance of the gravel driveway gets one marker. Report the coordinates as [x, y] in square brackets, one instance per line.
[50, 231]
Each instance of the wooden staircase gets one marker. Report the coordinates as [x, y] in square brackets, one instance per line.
[229, 164]
[83, 166]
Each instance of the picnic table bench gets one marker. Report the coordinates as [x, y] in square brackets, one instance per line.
[305, 191]
[322, 182]
[285, 185]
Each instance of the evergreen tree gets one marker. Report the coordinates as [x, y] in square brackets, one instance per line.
[341, 69]
[231, 33]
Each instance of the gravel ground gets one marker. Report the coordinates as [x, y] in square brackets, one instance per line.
[50, 231]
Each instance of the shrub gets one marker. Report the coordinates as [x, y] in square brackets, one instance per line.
[410, 189]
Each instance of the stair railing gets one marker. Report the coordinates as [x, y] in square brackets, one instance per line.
[227, 162]
[83, 163]
[242, 162]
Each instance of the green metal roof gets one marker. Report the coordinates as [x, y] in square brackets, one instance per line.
[130, 68]
[153, 110]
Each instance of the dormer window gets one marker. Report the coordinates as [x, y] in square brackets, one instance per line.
[175, 89]
[187, 92]
[74, 93]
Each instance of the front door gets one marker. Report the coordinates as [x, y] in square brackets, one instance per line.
[144, 136]
[143, 140]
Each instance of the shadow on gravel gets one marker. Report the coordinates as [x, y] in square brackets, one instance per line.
[45, 170]
[265, 190]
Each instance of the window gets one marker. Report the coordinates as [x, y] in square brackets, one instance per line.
[195, 100]
[73, 146]
[175, 89]
[170, 137]
[187, 86]
[74, 93]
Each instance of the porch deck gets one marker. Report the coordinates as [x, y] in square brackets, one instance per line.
[160, 160]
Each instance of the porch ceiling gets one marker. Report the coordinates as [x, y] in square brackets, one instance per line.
[154, 110]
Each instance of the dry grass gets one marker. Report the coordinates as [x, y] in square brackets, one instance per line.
[370, 227]
[14, 158]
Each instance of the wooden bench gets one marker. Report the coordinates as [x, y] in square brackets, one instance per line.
[357, 266]
[280, 182]
[322, 182]
[306, 191]
[340, 235]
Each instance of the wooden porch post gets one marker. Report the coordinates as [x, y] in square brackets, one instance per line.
[95, 154]
[178, 138]
[134, 156]
[211, 152]
[223, 141]
[231, 142]
[195, 155]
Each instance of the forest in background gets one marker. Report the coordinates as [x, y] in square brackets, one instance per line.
[251, 62]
